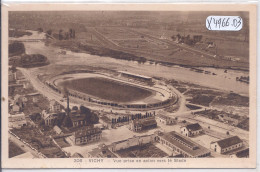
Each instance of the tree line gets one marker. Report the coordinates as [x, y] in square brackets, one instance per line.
[132, 117]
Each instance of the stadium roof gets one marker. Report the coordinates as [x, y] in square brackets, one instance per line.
[128, 73]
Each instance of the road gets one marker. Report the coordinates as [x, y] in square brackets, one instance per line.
[23, 146]
[51, 94]
[42, 88]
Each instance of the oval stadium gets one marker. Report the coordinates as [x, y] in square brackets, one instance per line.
[122, 91]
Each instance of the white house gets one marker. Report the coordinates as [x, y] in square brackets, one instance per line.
[48, 117]
[226, 145]
[166, 120]
[191, 130]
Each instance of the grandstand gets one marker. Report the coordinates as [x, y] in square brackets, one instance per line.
[135, 76]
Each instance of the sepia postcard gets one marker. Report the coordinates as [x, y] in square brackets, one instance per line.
[128, 86]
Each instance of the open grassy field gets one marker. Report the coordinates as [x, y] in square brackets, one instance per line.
[107, 89]
[117, 33]
[14, 150]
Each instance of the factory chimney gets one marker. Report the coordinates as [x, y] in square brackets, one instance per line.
[68, 103]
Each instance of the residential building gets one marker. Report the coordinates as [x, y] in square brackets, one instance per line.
[16, 108]
[181, 144]
[86, 135]
[166, 120]
[20, 99]
[16, 120]
[227, 144]
[55, 106]
[12, 76]
[50, 117]
[143, 124]
[191, 130]
[101, 152]
[78, 120]
[131, 142]
[34, 97]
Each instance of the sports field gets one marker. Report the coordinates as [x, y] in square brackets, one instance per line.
[107, 89]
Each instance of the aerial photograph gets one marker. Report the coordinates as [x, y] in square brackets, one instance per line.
[126, 84]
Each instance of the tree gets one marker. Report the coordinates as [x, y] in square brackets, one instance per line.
[60, 34]
[227, 133]
[49, 32]
[94, 118]
[75, 108]
[173, 37]
[40, 29]
[90, 117]
[71, 33]
[16, 48]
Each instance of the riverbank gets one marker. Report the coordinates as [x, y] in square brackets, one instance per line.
[117, 54]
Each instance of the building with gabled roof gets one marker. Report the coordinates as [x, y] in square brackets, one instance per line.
[227, 144]
[181, 145]
[191, 130]
[78, 119]
[50, 117]
[55, 106]
[143, 124]
[166, 119]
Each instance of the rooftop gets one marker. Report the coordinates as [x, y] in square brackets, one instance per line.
[193, 127]
[34, 94]
[77, 117]
[128, 73]
[224, 143]
[145, 121]
[243, 153]
[54, 102]
[185, 144]
[87, 131]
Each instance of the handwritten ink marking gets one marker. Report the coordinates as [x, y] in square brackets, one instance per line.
[224, 23]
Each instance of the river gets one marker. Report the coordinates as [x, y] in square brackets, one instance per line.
[222, 81]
